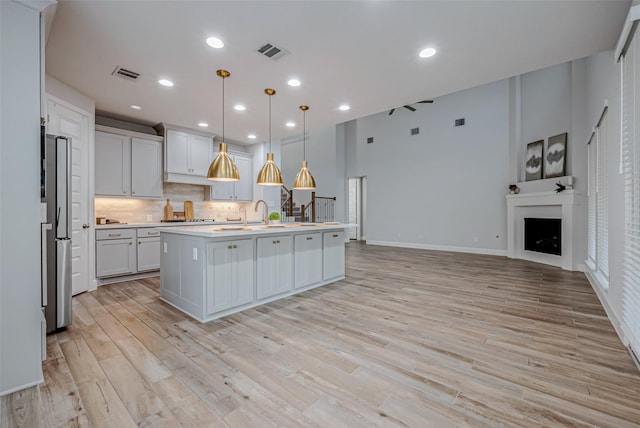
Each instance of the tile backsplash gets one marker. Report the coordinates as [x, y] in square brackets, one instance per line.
[129, 210]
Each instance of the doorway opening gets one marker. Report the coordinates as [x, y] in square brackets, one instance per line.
[357, 204]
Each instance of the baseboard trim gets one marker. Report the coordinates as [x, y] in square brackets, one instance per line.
[132, 277]
[20, 388]
[600, 292]
[470, 250]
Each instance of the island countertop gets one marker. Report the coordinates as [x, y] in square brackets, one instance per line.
[226, 231]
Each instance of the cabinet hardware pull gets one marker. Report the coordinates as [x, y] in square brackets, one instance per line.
[139, 242]
[153, 233]
[309, 238]
[115, 234]
[335, 236]
[278, 242]
[274, 242]
[130, 243]
[235, 246]
[230, 247]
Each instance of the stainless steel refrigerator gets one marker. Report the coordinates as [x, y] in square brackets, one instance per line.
[55, 188]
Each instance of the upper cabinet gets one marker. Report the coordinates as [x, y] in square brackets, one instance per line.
[187, 157]
[234, 190]
[127, 166]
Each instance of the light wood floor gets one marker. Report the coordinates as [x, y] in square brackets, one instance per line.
[410, 338]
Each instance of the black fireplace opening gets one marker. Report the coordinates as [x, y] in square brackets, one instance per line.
[543, 235]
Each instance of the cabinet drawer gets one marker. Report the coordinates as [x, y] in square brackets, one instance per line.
[148, 232]
[103, 234]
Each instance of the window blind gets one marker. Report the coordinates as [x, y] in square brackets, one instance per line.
[602, 205]
[631, 167]
[591, 203]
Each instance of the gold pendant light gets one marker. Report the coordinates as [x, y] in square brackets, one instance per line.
[222, 168]
[304, 180]
[270, 175]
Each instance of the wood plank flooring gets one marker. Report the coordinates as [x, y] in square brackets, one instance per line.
[410, 338]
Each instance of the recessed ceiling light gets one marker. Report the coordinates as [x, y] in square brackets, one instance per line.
[135, 107]
[427, 53]
[239, 107]
[203, 124]
[290, 124]
[294, 82]
[252, 136]
[215, 42]
[165, 82]
[344, 107]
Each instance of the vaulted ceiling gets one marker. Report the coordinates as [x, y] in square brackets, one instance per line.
[360, 53]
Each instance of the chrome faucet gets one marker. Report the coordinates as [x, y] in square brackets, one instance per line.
[243, 207]
[266, 210]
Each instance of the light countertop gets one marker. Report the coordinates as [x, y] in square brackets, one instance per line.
[223, 231]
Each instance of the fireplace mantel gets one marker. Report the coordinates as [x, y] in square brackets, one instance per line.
[567, 206]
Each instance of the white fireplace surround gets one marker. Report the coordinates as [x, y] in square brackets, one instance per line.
[567, 206]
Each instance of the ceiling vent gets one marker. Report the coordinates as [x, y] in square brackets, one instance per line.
[415, 131]
[125, 74]
[272, 51]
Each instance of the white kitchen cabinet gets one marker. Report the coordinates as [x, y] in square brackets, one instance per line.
[274, 265]
[241, 190]
[230, 281]
[127, 166]
[146, 168]
[187, 157]
[148, 251]
[115, 252]
[307, 259]
[333, 255]
[113, 164]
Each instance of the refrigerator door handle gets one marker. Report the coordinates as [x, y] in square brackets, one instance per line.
[63, 274]
[43, 255]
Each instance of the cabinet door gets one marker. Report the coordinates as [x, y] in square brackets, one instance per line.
[201, 149]
[274, 266]
[148, 254]
[177, 152]
[333, 254]
[221, 191]
[220, 276]
[115, 257]
[244, 188]
[112, 165]
[146, 168]
[307, 259]
[243, 274]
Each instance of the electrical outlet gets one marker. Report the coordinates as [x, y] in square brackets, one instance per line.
[165, 247]
[149, 217]
[195, 254]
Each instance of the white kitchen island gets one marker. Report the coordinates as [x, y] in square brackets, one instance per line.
[209, 272]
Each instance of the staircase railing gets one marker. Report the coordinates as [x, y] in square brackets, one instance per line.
[286, 201]
[322, 209]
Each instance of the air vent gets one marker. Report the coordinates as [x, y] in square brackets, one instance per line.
[415, 131]
[460, 122]
[125, 74]
[272, 51]
[369, 140]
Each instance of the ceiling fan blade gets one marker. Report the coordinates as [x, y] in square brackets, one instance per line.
[410, 108]
[426, 101]
[391, 111]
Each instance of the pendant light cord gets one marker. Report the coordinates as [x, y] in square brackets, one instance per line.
[304, 134]
[223, 110]
[269, 123]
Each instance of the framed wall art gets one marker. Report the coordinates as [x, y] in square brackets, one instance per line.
[533, 165]
[555, 158]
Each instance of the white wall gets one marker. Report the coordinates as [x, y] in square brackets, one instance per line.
[445, 187]
[326, 164]
[20, 329]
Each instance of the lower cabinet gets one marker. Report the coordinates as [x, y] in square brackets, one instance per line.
[333, 255]
[308, 259]
[274, 265]
[229, 274]
[148, 249]
[115, 252]
[127, 251]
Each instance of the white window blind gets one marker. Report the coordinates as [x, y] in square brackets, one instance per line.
[631, 167]
[597, 203]
[602, 204]
[591, 203]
